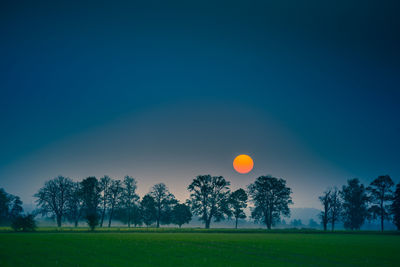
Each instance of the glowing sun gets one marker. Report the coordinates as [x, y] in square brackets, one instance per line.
[243, 164]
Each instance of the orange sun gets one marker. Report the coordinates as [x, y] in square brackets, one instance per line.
[243, 164]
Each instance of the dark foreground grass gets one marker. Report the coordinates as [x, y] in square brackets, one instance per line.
[198, 249]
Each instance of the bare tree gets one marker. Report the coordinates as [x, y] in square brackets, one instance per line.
[335, 207]
[75, 204]
[209, 198]
[53, 196]
[324, 215]
[164, 201]
[129, 200]
[104, 184]
[115, 195]
[271, 198]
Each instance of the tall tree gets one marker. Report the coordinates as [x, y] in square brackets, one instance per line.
[91, 200]
[16, 208]
[181, 214]
[104, 184]
[395, 207]
[238, 202]
[75, 204]
[380, 191]
[271, 198]
[115, 195]
[148, 210]
[325, 201]
[136, 217]
[5, 204]
[335, 207]
[209, 198]
[53, 196]
[129, 201]
[164, 200]
[355, 201]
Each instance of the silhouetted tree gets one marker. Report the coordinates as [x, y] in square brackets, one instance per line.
[5, 204]
[148, 210]
[271, 198]
[104, 184]
[335, 207]
[325, 201]
[381, 192]
[25, 223]
[53, 196]
[91, 200]
[181, 214]
[395, 207]
[164, 201]
[75, 204]
[16, 208]
[209, 198]
[115, 195]
[238, 202]
[355, 201]
[129, 201]
[92, 220]
[10, 207]
[136, 216]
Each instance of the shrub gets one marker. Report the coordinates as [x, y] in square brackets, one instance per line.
[24, 223]
[92, 220]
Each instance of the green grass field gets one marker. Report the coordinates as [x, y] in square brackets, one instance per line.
[197, 248]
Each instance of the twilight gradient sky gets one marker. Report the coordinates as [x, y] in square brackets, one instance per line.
[166, 91]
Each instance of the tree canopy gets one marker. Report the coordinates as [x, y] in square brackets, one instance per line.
[271, 199]
[209, 198]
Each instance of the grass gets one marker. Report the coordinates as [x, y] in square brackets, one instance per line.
[192, 247]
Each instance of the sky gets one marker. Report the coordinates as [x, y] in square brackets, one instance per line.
[167, 90]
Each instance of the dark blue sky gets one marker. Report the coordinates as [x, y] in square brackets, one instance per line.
[165, 91]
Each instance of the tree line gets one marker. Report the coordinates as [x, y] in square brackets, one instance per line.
[355, 203]
[101, 201]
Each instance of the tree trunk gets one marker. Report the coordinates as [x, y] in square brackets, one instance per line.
[111, 215]
[59, 217]
[180, 225]
[208, 223]
[382, 215]
[129, 218]
[236, 223]
[76, 223]
[268, 222]
[102, 217]
[159, 214]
